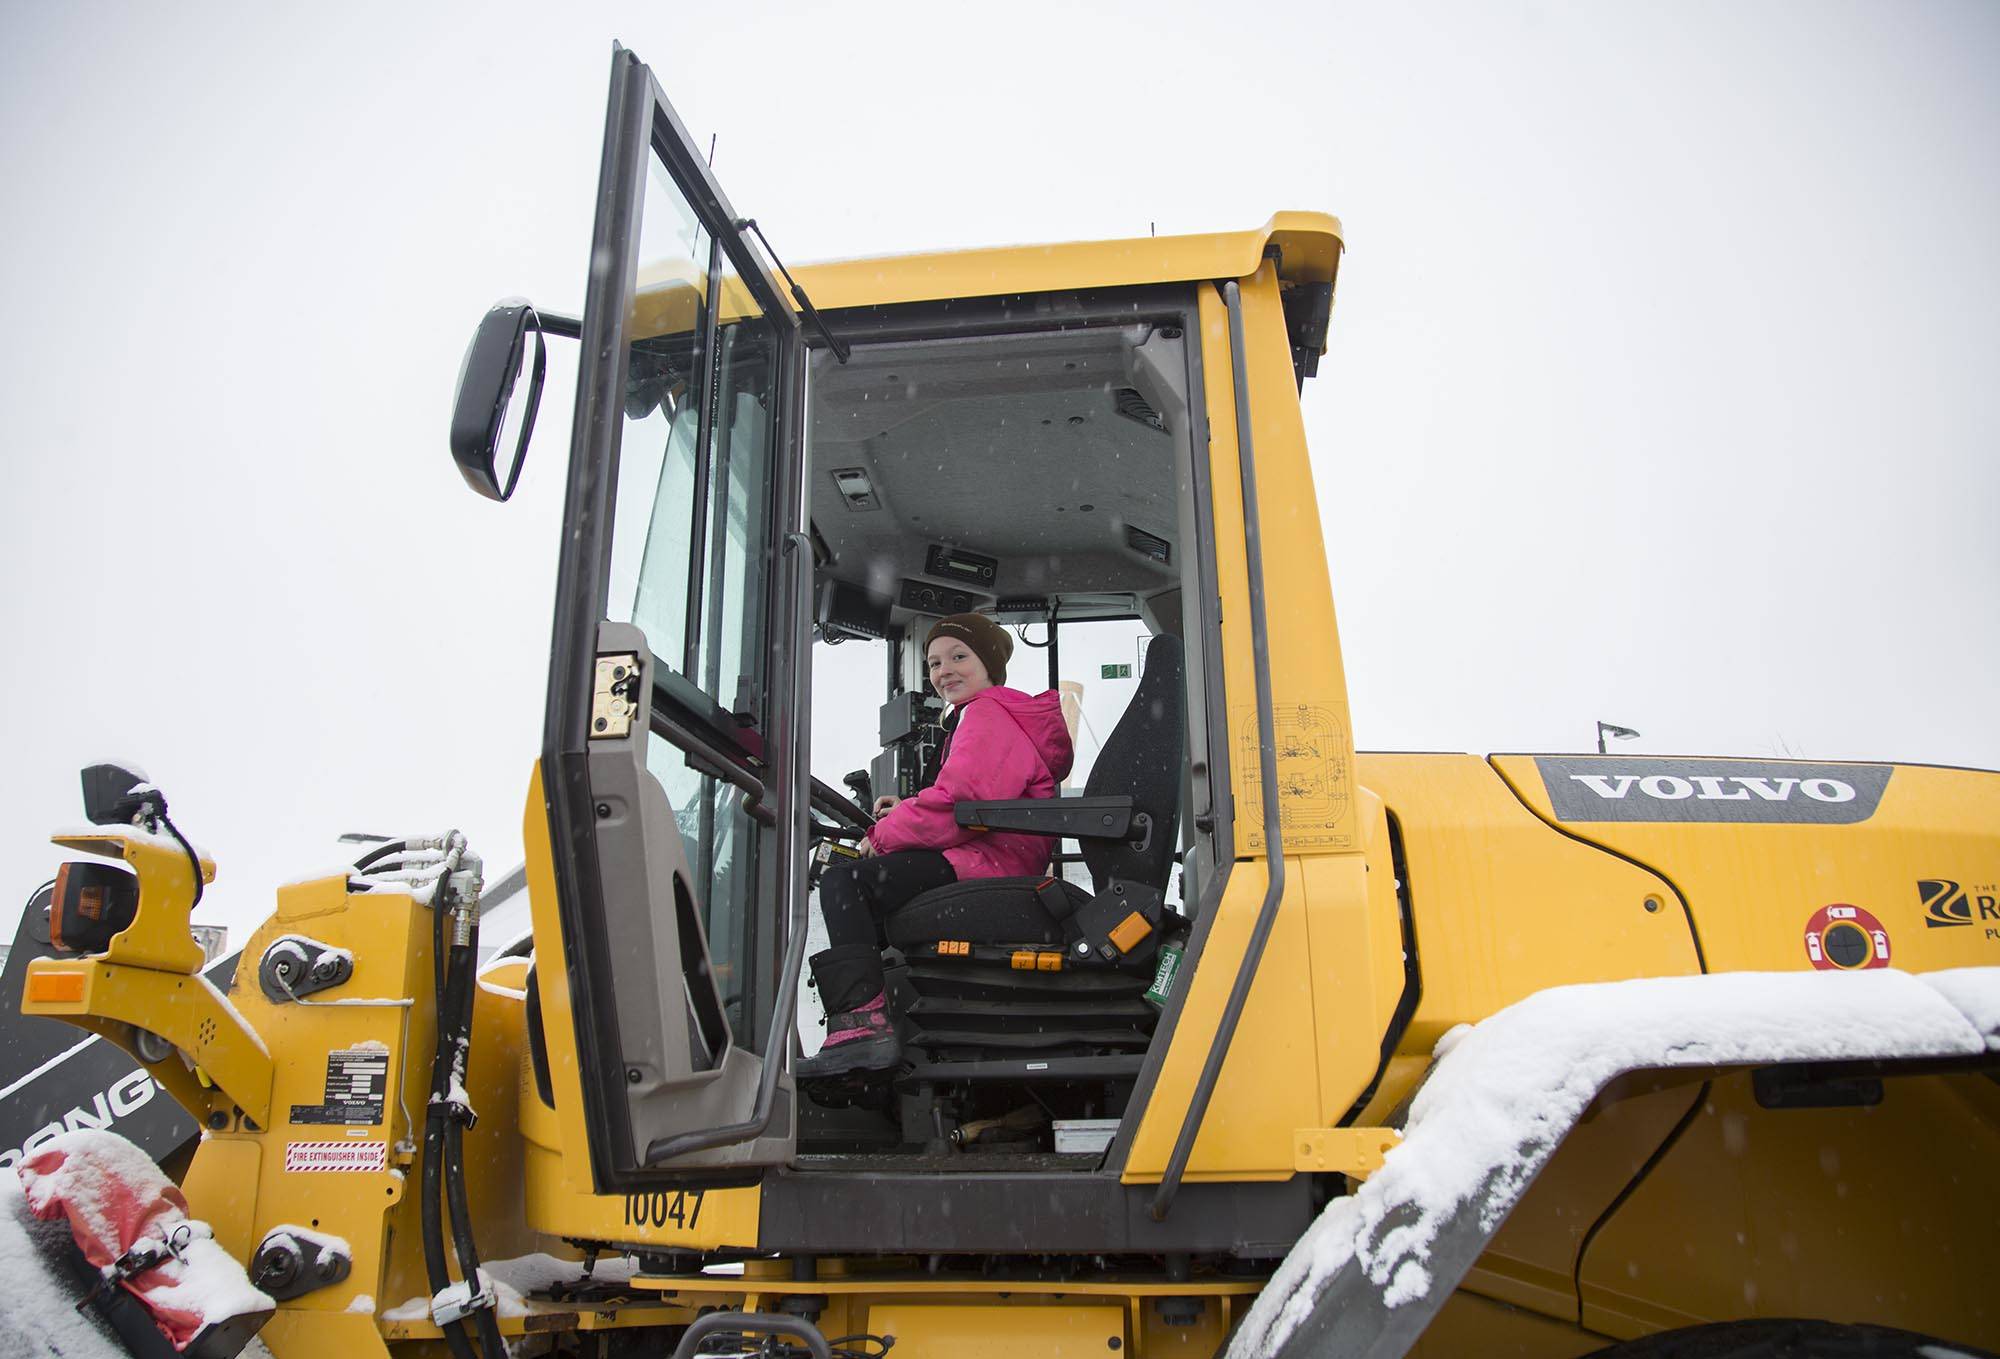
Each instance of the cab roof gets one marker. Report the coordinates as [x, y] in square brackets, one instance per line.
[1309, 245]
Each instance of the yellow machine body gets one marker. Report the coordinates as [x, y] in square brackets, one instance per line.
[1420, 893]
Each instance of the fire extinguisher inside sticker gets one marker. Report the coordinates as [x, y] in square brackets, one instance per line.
[357, 1081]
[335, 1156]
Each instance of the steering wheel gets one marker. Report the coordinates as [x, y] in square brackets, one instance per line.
[849, 818]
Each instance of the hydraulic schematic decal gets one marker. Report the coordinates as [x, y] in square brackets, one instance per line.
[1315, 777]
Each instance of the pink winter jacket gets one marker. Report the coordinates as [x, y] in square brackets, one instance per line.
[1007, 745]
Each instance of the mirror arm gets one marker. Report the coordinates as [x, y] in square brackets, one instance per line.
[569, 327]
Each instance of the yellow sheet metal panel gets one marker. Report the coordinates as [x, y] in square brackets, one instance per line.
[330, 1172]
[1469, 1324]
[1922, 867]
[1315, 737]
[1881, 1214]
[158, 936]
[687, 1217]
[1356, 1152]
[1310, 241]
[556, 1168]
[1310, 1036]
[989, 1331]
[1356, 953]
[1269, 1087]
[552, 977]
[1506, 906]
[216, 1181]
[233, 1067]
[292, 1334]
[1531, 1261]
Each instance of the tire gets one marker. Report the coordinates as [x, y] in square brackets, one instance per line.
[1789, 1339]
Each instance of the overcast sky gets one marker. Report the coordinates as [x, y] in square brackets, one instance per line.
[1662, 385]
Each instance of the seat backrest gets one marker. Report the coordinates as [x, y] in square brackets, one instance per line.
[1142, 759]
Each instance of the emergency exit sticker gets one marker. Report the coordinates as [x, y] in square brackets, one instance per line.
[335, 1156]
[1845, 938]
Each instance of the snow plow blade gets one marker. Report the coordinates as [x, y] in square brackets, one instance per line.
[1368, 1277]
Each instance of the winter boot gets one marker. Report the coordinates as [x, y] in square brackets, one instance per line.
[860, 1034]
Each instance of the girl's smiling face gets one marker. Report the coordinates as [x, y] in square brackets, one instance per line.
[955, 670]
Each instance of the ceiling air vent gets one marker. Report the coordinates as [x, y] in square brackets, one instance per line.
[1146, 545]
[1133, 406]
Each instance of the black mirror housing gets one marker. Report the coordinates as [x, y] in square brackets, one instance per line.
[486, 383]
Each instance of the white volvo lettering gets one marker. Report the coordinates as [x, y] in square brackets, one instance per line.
[1827, 790]
[1711, 789]
[1762, 788]
[1666, 787]
[1602, 786]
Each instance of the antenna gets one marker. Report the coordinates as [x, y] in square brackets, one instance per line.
[1614, 731]
[711, 150]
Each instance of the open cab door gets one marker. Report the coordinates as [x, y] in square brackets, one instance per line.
[673, 732]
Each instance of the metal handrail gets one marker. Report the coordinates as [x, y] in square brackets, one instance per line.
[1267, 765]
[769, 1323]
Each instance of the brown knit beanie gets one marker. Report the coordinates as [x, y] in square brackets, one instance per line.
[988, 640]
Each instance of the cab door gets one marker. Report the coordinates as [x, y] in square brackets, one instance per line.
[672, 735]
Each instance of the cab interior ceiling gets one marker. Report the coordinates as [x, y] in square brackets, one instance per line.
[1057, 454]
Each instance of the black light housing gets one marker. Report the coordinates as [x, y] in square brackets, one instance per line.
[93, 902]
[113, 795]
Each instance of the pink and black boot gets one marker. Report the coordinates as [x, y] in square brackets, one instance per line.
[860, 1034]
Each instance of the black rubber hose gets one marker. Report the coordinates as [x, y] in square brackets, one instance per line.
[464, 961]
[194, 859]
[461, 1229]
[378, 854]
[432, 1200]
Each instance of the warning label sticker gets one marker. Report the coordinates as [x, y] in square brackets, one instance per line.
[314, 1156]
[357, 1080]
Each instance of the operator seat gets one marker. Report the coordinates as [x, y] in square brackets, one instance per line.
[1033, 967]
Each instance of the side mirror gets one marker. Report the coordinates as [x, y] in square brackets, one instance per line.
[487, 383]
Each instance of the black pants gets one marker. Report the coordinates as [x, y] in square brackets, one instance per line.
[855, 897]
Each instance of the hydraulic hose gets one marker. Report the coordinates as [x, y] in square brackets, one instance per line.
[379, 853]
[432, 1196]
[458, 990]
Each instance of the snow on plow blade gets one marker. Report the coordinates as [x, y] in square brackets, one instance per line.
[1369, 1275]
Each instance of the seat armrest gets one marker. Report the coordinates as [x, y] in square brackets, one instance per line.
[1081, 818]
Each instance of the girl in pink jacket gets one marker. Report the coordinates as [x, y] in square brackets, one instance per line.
[1002, 744]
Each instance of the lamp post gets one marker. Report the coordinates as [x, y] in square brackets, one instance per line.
[1612, 729]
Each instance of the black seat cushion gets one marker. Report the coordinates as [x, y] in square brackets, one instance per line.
[981, 911]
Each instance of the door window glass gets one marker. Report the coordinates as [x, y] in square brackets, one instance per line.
[691, 544]
[689, 556]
